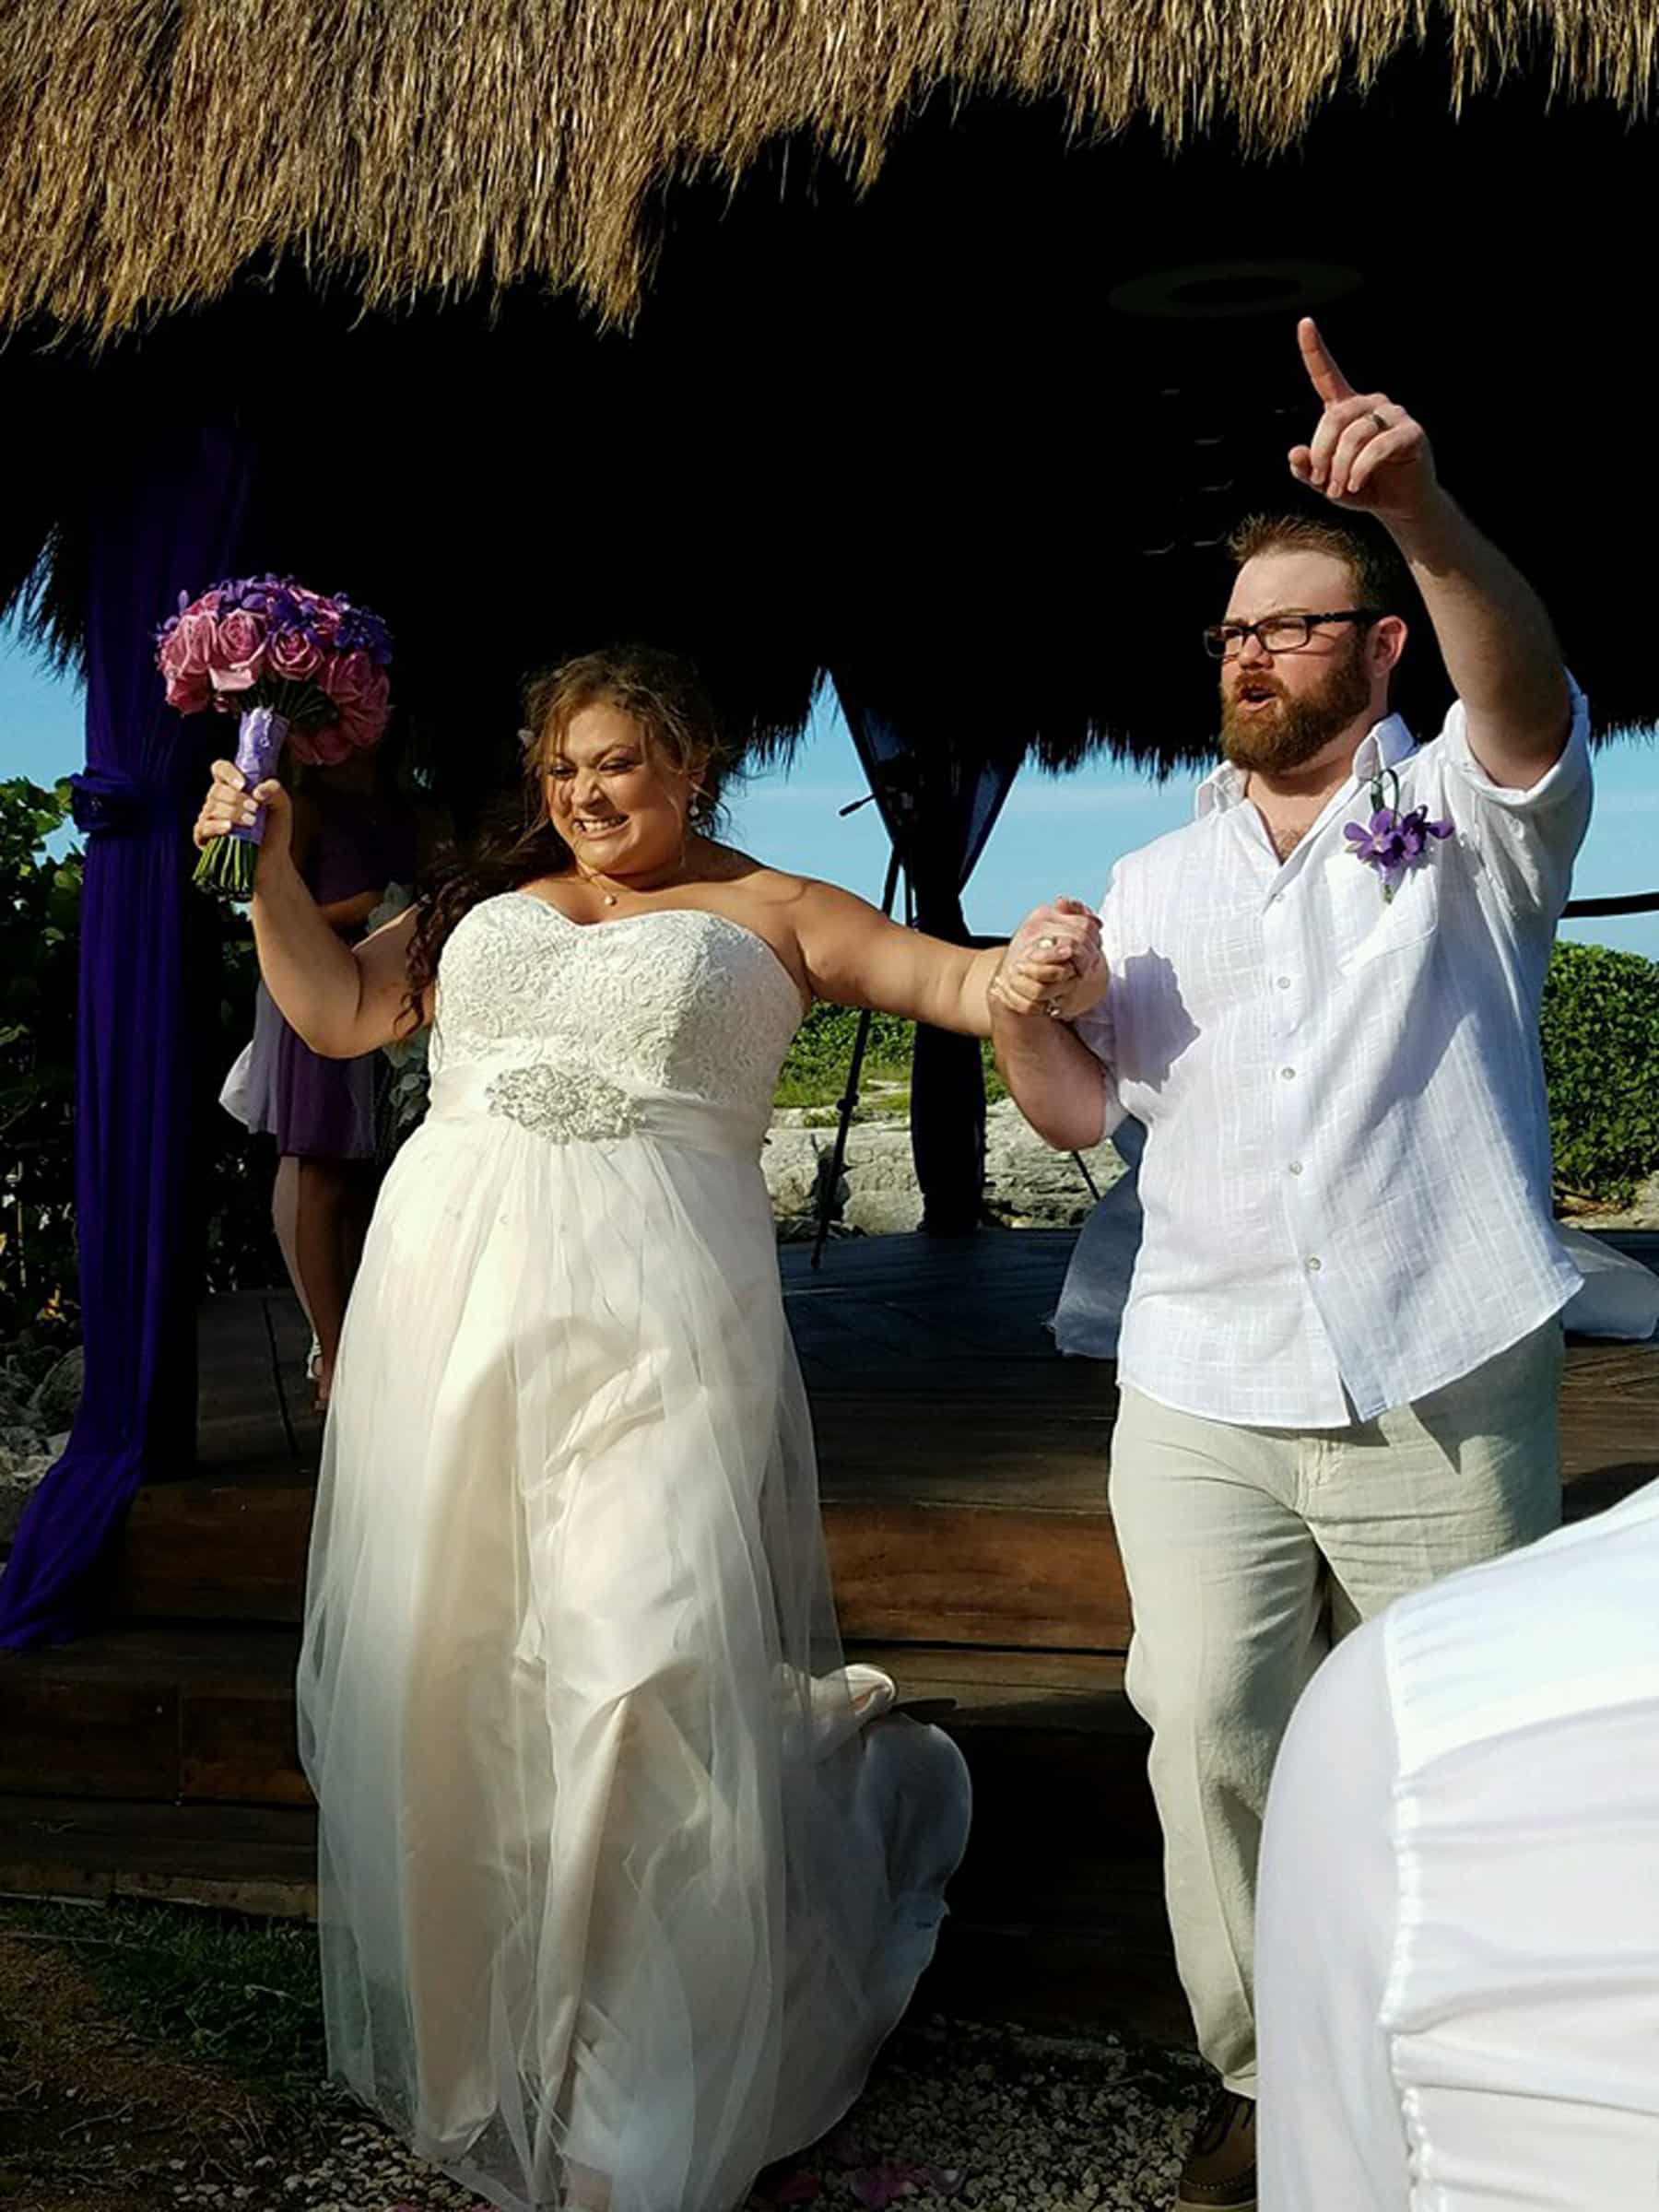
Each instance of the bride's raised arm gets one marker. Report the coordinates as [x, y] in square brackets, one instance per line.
[342, 1000]
[856, 957]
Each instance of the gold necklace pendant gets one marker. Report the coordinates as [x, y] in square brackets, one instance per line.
[589, 877]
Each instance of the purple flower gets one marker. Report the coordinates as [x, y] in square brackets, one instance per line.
[1392, 842]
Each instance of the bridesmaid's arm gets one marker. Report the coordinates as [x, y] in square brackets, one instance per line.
[344, 914]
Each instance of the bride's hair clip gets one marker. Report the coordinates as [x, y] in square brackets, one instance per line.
[526, 739]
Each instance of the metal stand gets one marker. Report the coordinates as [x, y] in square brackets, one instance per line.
[829, 1183]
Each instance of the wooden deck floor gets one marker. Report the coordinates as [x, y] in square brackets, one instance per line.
[932, 1375]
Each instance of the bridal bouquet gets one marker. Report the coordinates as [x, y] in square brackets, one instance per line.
[299, 669]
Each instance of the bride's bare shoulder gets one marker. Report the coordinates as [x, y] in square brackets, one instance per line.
[753, 881]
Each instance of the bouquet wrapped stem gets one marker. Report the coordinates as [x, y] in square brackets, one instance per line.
[228, 863]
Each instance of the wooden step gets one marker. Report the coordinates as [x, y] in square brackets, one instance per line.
[1013, 1948]
[167, 1715]
[195, 1714]
[235, 1858]
[953, 1512]
[997, 1534]
[160, 1763]
[913, 1570]
[961, 1460]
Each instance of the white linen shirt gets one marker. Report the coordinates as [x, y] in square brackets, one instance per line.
[1346, 1179]
[1457, 1939]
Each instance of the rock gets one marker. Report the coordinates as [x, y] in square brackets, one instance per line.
[16, 1486]
[794, 1164]
[883, 1213]
[57, 1401]
[1642, 1213]
[1027, 1185]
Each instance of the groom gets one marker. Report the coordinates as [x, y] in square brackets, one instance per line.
[1339, 1360]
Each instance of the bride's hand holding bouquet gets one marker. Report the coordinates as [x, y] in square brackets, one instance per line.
[300, 668]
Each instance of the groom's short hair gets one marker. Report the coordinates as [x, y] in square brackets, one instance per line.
[1381, 578]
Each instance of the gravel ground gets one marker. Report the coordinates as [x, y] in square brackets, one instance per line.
[957, 2115]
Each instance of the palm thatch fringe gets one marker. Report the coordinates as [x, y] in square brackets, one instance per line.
[443, 148]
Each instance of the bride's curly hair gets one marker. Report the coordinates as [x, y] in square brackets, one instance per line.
[661, 693]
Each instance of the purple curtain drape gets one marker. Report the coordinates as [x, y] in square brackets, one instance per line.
[940, 789]
[170, 520]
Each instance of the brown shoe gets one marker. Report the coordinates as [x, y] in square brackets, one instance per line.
[1220, 2172]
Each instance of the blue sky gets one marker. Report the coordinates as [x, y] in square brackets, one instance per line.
[1056, 833]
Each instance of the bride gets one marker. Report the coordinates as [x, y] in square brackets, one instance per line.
[624, 1876]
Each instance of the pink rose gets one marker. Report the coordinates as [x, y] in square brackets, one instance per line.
[189, 694]
[239, 652]
[183, 661]
[346, 675]
[291, 655]
[325, 748]
[361, 691]
[191, 644]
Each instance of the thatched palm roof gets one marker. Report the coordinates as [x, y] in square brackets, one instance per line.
[938, 344]
[155, 149]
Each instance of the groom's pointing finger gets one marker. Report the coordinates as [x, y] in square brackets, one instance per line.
[1320, 363]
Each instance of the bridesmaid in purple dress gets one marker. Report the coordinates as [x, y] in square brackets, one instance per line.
[354, 835]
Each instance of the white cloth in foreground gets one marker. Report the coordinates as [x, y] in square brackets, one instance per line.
[1458, 1933]
[618, 1892]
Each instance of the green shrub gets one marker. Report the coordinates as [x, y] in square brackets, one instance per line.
[1601, 1061]
[40, 944]
[815, 1074]
[40, 955]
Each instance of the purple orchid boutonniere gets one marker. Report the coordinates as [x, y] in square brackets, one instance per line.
[1391, 842]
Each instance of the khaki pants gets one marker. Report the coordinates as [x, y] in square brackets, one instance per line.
[1249, 1552]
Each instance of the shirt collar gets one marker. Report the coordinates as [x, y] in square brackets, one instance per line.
[1384, 746]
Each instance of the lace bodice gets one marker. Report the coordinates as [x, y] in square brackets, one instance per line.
[579, 1026]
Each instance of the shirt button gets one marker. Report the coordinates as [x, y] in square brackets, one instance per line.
[1284, 982]
[1296, 1167]
[1315, 1265]
[1288, 1074]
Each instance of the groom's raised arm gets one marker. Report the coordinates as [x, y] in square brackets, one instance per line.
[1370, 454]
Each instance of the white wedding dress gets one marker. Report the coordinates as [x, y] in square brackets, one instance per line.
[623, 1877]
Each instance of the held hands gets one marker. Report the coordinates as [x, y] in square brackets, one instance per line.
[1053, 964]
[1367, 452]
[229, 805]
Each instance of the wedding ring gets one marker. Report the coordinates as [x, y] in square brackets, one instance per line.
[1379, 422]
[1047, 944]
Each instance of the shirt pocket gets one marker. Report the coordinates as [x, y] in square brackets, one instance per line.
[1366, 927]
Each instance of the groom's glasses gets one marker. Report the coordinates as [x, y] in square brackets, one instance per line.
[1279, 633]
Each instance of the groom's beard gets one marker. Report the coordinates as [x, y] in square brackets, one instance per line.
[1287, 735]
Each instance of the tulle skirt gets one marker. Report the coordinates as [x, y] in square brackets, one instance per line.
[624, 1878]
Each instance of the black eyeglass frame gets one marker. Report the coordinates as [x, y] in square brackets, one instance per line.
[1219, 636]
